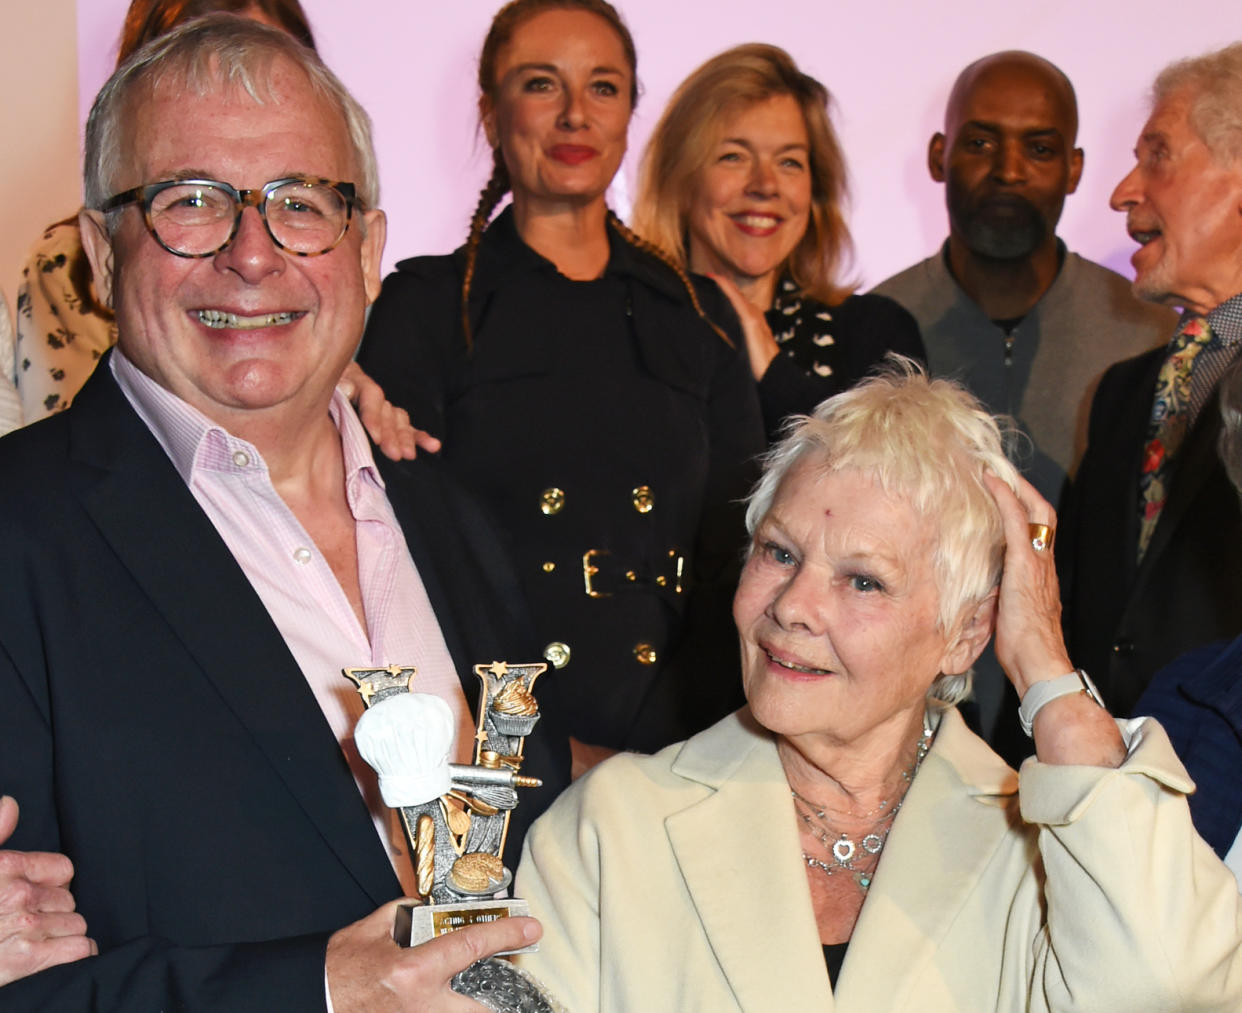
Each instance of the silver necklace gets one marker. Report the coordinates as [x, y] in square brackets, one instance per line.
[859, 858]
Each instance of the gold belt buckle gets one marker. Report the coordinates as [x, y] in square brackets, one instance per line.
[589, 570]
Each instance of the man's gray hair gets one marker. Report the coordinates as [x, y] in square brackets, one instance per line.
[199, 56]
[1214, 81]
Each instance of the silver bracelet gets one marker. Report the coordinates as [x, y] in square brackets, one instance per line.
[1045, 692]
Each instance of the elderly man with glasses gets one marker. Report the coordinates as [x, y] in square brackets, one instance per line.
[202, 542]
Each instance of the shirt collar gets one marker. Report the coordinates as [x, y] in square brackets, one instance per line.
[1226, 321]
[194, 443]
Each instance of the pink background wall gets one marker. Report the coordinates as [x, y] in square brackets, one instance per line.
[889, 64]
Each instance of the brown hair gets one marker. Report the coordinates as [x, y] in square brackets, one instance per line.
[507, 20]
[689, 129]
[148, 19]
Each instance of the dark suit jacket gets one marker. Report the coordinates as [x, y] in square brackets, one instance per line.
[155, 728]
[1198, 699]
[1123, 620]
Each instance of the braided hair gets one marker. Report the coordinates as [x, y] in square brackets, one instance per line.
[493, 192]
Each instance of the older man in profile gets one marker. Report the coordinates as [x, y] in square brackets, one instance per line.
[1151, 542]
[196, 549]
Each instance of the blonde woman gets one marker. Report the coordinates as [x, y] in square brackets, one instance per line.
[744, 180]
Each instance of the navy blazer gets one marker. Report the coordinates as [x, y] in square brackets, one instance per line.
[155, 727]
[1198, 699]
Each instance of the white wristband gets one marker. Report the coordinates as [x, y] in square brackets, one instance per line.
[1042, 693]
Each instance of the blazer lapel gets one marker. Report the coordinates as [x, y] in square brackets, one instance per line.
[960, 796]
[480, 614]
[738, 850]
[410, 507]
[137, 500]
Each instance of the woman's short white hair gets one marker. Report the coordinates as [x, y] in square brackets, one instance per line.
[199, 55]
[928, 442]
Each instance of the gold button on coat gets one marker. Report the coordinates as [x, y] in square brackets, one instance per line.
[552, 501]
[643, 499]
[557, 654]
[645, 653]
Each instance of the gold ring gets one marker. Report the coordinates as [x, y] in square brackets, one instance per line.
[1041, 536]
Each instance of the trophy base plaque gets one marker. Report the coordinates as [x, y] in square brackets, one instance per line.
[418, 923]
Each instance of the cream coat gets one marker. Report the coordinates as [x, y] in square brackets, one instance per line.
[675, 882]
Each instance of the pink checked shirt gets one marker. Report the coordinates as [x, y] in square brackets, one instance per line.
[230, 481]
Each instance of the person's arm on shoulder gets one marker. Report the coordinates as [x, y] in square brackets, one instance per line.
[388, 425]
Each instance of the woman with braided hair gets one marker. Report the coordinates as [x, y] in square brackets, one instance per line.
[588, 389]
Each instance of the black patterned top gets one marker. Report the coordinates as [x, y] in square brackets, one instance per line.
[826, 349]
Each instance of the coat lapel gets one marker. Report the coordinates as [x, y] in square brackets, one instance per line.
[954, 817]
[137, 500]
[744, 834]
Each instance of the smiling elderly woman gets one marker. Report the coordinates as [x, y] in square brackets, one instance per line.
[849, 806]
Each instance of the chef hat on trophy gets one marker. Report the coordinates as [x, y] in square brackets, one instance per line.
[406, 737]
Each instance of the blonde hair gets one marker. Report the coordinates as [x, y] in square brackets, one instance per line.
[929, 442]
[689, 129]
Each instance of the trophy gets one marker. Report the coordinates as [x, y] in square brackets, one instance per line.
[455, 816]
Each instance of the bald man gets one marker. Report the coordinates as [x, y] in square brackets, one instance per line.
[1004, 307]
[1028, 326]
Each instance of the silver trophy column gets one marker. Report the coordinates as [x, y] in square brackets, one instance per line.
[456, 816]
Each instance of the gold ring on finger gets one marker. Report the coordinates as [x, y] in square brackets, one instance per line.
[1041, 536]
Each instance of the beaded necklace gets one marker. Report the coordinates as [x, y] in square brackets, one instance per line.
[859, 857]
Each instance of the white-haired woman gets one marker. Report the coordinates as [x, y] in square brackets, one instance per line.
[845, 842]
